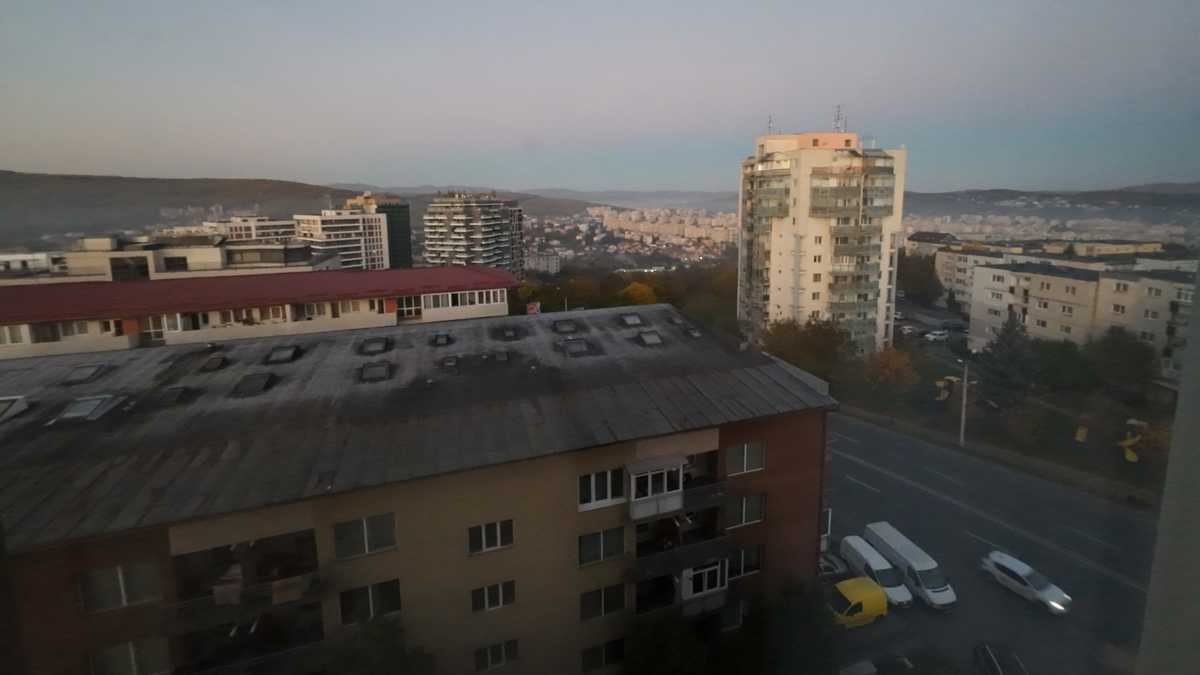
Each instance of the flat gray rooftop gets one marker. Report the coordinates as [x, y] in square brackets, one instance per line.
[197, 436]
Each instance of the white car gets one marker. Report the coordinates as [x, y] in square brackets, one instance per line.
[937, 336]
[908, 330]
[1025, 581]
[899, 316]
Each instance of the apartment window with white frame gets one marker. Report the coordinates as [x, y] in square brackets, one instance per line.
[364, 535]
[656, 483]
[1070, 290]
[601, 602]
[490, 536]
[277, 312]
[1045, 285]
[1040, 323]
[997, 296]
[493, 596]
[359, 605]
[1183, 295]
[1151, 314]
[1153, 292]
[705, 579]
[1042, 304]
[817, 277]
[994, 312]
[998, 278]
[495, 656]
[149, 656]
[816, 295]
[601, 488]
[1118, 309]
[1064, 329]
[816, 258]
[120, 586]
[745, 458]
[746, 561]
[1146, 337]
[745, 510]
[1121, 287]
[1067, 309]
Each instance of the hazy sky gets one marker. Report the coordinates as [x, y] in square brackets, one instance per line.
[638, 95]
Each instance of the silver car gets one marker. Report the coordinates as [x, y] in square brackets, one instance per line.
[1025, 581]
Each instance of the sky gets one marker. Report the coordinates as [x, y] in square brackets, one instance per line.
[1068, 95]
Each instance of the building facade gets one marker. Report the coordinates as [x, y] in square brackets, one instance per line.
[238, 228]
[282, 517]
[399, 226]
[956, 271]
[97, 317]
[819, 230]
[543, 263]
[481, 229]
[358, 236]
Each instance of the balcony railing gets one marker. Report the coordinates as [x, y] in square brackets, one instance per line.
[233, 603]
[840, 192]
[705, 604]
[878, 211]
[856, 230]
[856, 268]
[857, 249]
[672, 560]
[833, 211]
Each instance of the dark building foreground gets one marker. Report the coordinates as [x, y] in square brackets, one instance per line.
[514, 490]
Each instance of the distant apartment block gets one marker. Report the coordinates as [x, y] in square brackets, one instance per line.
[544, 263]
[399, 226]
[94, 317]
[956, 271]
[238, 228]
[1063, 303]
[480, 229]
[179, 257]
[820, 226]
[358, 236]
[927, 243]
[513, 490]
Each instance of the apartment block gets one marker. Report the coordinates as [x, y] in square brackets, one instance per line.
[358, 236]
[956, 271]
[927, 243]
[819, 230]
[399, 227]
[238, 228]
[96, 317]
[1156, 306]
[513, 490]
[545, 263]
[481, 229]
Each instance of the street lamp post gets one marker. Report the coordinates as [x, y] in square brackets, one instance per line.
[962, 422]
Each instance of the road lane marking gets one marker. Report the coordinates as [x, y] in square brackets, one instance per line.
[976, 537]
[1037, 539]
[945, 476]
[1090, 538]
[846, 438]
[852, 479]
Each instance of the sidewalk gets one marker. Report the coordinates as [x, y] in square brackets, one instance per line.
[1098, 485]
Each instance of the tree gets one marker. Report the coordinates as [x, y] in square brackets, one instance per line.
[1122, 360]
[793, 634]
[376, 647]
[918, 278]
[817, 346]
[1059, 365]
[952, 303]
[1009, 354]
[638, 293]
[891, 368]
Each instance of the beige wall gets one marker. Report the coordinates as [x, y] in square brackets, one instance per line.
[985, 323]
[92, 341]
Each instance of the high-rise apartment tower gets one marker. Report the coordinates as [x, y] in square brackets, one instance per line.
[819, 226]
[481, 229]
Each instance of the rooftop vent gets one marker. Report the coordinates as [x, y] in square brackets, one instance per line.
[576, 347]
[89, 408]
[507, 333]
[441, 340]
[376, 371]
[213, 363]
[693, 333]
[253, 384]
[631, 320]
[375, 346]
[282, 354]
[565, 326]
[675, 320]
[171, 395]
[83, 374]
[11, 406]
[450, 362]
[650, 338]
[502, 356]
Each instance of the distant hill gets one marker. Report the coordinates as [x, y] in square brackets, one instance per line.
[638, 199]
[1166, 188]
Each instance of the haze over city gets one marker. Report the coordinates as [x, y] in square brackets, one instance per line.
[619, 96]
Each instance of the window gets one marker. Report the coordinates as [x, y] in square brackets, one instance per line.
[816, 240]
[68, 328]
[705, 579]
[1045, 286]
[1151, 314]
[1146, 337]
[602, 601]
[817, 277]
[745, 561]
[495, 656]
[227, 316]
[106, 326]
[1121, 287]
[602, 488]
[409, 306]
[816, 258]
[994, 312]
[744, 510]
[655, 483]
[10, 335]
[1067, 309]
[1118, 309]
[602, 656]
[745, 458]
[347, 306]
[120, 586]
[143, 657]
[998, 278]
[366, 603]
[1183, 294]
[997, 296]
[1041, 323]
[815, 314]
[1042, 304]
[276, 311]
[364, 535]
[1070, 290]
[1064, 329]
[816, 296]
[597, 546]
[1153, 292]
[494, 596]
[489, 536]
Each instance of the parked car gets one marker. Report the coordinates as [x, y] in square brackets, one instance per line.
[990, 659]
[908, 330]
[832, 568]
[922, 575]
[886, 665]
[899, 316]
[1025, 581]
[857, 602]
[865, 561]
[937, 336]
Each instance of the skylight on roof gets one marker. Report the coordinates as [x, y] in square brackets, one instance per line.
[450, 362]
[631, 320]
[377, 371]
[213, 363]
[576, 347]
[565, 326]
[650, 338]
[441, 340]
[253, 384]
[375, 346]
[82, 374]
[11, 406]
[675, 320]
[282, 354]
[89, 407]
[693, 333]
[502, 356]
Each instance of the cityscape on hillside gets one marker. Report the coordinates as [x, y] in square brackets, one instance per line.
[544, 340]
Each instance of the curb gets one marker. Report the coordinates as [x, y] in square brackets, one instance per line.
[1113, 490]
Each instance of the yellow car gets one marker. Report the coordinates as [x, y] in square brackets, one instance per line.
[857, 602]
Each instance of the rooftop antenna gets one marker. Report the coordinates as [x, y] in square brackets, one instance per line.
[839, 118]
[770, 124]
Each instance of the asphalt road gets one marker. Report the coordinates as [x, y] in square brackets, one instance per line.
[958, 508]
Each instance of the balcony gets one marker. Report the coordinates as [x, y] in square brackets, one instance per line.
[879, 192]
[271, 643]
[878, 211]
[768, 211]
[865, 286]
[868, 268]
[852, 306]
[815, 211]
[818, 194]
[857, 249]
[656, 559]
[235, 603]
[856, 230]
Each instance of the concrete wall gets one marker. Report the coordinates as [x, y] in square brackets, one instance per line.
[92, 341]
[461, 312]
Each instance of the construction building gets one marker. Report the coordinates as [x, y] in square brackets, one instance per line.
[513, 490]
[819, 230]
[475, 229]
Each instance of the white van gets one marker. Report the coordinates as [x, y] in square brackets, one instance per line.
[921, 572]
[867, 562]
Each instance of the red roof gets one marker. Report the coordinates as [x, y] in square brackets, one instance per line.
[131, 299]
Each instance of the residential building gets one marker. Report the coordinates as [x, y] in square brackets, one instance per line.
[927, 243]
[147, 258]
[32, 263]
[358, 236]
[1155, 306]
[545, 263]
[820, 226]
[474, 228]
[238, 228]
[399, 226]
[99, 316]
[956, 270]
[1102, 247]
[514, 490]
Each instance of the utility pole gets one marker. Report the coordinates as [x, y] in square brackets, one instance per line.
[962, 422]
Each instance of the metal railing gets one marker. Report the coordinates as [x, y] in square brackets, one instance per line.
[857, 249]
[856, 230]
[230, 603]
[833, 211]
[672, 560]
